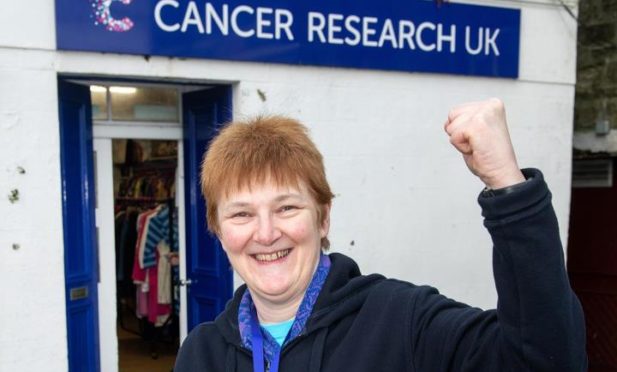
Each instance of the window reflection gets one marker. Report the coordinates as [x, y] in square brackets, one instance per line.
[144, 104]
[98, 96]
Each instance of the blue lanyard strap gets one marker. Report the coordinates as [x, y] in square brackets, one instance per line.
[258, 347]
[250, 330]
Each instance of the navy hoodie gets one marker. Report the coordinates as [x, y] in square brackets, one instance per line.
[371, 323]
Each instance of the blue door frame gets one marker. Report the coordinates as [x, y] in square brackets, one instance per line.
[207, 266]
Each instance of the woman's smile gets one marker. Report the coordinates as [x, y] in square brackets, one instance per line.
[274, 257]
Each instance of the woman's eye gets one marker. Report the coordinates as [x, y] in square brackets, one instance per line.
[286, 208]
[240, 215]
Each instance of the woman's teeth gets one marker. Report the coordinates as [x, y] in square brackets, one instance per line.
[272, 256]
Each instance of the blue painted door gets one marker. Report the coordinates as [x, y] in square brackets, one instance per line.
[80, 258]
[208, 271]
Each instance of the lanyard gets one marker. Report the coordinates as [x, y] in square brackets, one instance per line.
[258, 347]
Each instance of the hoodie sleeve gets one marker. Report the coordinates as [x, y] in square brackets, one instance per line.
[538, 324]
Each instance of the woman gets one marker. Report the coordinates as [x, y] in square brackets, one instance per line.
[302, 310]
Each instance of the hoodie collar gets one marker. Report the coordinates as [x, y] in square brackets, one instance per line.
[301, 317]
[342, 293]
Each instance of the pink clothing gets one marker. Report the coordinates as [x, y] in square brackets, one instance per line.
[142, 302]
[139, 274]
[147, 279]
[154, 308]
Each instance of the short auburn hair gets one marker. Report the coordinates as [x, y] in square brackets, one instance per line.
[250, 152]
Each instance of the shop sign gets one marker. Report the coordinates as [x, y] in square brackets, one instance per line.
[410, 35]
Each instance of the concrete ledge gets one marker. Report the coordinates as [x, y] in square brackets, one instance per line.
[589, 141]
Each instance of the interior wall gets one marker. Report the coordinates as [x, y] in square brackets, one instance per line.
[405, 202]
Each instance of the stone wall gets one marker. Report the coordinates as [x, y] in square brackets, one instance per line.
[596, 84]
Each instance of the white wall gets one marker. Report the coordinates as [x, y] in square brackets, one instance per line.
[404, 197]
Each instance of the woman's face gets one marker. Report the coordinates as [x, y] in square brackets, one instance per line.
[272, 237]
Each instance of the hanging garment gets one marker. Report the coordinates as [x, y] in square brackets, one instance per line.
[141, 297]
[142, 235]
[126, 237]
[140, 275]
[157, 313]
[158, 230]
[118, 227]
[164, 274]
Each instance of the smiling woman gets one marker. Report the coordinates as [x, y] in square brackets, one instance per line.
[268, 202]
[272, 217]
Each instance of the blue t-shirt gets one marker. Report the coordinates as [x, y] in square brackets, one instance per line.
[279, 330]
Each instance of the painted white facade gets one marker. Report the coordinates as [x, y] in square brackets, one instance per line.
[405, 204]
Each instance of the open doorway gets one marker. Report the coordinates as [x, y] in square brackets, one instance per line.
[592, 257]
[137, 218]
[131, 150]
[146, 250]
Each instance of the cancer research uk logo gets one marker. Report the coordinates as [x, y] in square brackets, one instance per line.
[101, 13]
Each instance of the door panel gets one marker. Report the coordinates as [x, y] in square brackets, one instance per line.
[208, 270]
[80, 260]
[107, 306]
[592, 266]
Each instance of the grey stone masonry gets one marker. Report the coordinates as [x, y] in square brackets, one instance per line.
[596, 82]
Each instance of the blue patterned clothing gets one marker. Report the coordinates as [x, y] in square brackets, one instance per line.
[305, 309]
[158, 230]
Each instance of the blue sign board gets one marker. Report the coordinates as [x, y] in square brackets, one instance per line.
[404, 35]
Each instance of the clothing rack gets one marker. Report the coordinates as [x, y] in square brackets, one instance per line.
[146, 330]
[145, 185]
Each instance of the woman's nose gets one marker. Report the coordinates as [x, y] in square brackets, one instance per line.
[267, 232]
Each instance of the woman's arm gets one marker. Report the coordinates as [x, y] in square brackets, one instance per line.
[538, 324]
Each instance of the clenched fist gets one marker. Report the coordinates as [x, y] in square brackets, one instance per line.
[479, 131]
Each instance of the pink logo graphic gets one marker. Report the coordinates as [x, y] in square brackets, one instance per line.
[102, 15]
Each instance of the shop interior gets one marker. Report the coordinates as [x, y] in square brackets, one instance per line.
[145, 225]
